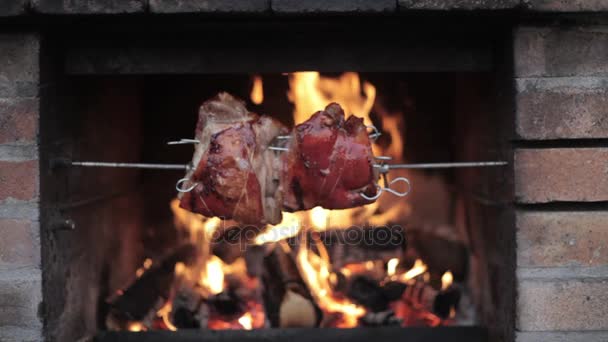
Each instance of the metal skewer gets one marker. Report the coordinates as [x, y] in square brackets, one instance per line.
[130, 165]
[382, 167]
[386, 167]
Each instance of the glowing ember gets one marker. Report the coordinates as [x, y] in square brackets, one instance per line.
[257, 91]
[136, 327]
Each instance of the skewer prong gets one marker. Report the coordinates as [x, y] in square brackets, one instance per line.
[387, 167]
[130, 165]
[183, 141]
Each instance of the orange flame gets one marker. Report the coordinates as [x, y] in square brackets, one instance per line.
[315, 273]
[310, 93]
[164, 314]
[257, 91]
[391, 267]
[289, 226]
[446, 280]
[246, 321]
[136, 327]
[416, 270]
[213, 277]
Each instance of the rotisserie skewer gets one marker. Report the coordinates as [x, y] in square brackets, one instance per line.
[183, 167]
[251, 168]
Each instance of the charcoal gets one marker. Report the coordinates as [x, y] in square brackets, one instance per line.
[368, 293]
[393, 290]
[382, 318]
[139, 298]
[445, 300]
[187, 306]
[227, 304]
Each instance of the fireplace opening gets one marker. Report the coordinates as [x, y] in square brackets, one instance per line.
[131, 261]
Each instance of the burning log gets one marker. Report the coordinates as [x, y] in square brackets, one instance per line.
[423, 304]
[143, 295]
[297, 311]
[227, 304]
[254, 259]
[189, 310]
[367, 292]
[446, 301]
[287, 300]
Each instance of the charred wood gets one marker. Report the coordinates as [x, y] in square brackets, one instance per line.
[287, 300]
[136, 301]
[382, 318]
[189, 309]
[368, 293]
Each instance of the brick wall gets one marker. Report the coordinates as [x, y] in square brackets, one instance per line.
[561, 182]
[20, 273]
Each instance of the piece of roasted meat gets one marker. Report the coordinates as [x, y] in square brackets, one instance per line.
[234, 174]
[329, 163]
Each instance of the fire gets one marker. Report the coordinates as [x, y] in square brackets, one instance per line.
[213, 277]
[391, 267]
[315, 272]
[416, 270]
[310, 93]
[164, 314]
[289, 226]
[136, 327]
[446, 280]
[257, 91]
[319, 218]
[246, 321]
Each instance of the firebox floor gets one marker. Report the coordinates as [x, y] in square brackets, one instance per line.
[452, 334]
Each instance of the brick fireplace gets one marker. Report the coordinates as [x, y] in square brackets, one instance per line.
[555, 95]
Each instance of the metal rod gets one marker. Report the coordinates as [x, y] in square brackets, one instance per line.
[441, 165]
[131, 165]
[383, 167]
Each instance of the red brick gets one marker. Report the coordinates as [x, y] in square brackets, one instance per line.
[562, 336]
[17, 246]
[196, 6]
[567, 6]
[19, 180]
[88, 6]
[19, 59]
[18, 120]
[561, 174]
[19, 300]
[12, 8]
[563, 107]
[561, 51]
[575, 238]
[545, 305]
[457, 4]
